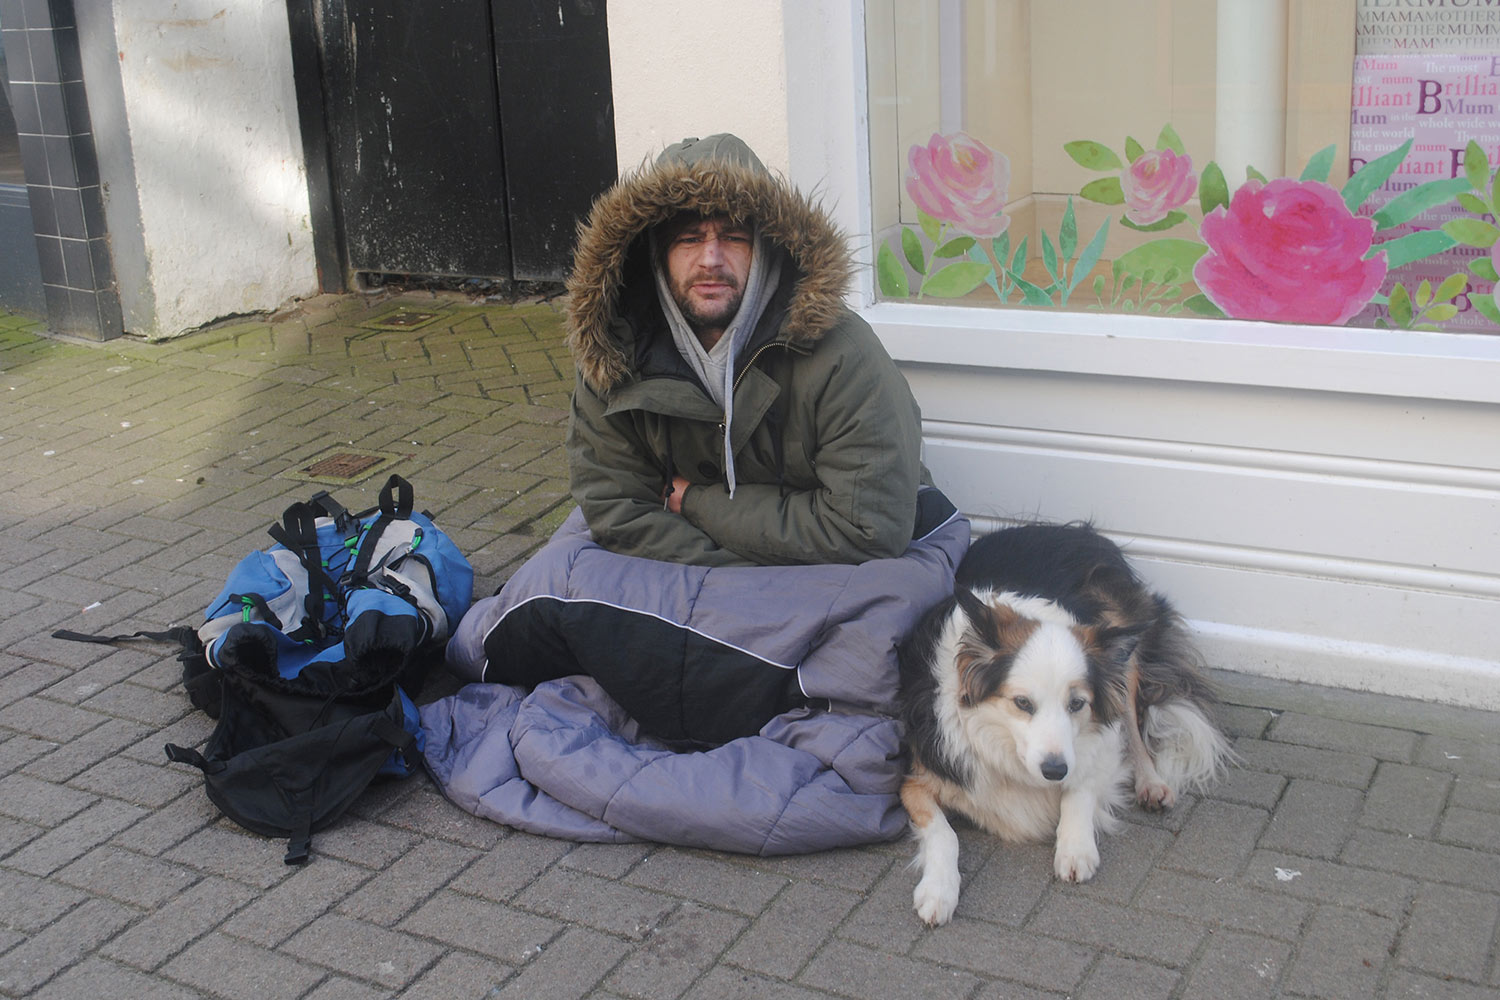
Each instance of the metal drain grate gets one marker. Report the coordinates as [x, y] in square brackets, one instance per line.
[342, 467]
[401, 319]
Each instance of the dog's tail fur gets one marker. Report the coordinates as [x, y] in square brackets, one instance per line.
[1189, 750]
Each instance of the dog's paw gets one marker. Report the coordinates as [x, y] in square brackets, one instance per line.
[935, 899]
[1155, 796]
[1076, 862]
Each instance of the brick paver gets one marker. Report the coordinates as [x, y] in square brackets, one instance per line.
[1352, 853]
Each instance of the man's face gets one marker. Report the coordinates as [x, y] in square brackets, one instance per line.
[708, 261]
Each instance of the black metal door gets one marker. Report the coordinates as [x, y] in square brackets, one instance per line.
[464, 137]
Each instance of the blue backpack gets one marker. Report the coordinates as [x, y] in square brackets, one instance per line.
[309, 658]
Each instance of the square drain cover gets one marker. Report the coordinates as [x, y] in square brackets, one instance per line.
[401, 319]
[340, 467]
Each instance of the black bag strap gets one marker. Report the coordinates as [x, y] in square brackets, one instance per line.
[326, 505]
[187, 755]
[299, 844]
[298, 533]
[396, 498]
[182, 635]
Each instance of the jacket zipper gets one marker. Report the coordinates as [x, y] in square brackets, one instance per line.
[763, 348]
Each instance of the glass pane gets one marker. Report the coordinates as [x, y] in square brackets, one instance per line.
[1304, 161]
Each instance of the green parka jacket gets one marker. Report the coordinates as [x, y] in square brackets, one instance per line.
[826, 436]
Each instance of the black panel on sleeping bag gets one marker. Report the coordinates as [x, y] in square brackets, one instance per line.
[677, 683]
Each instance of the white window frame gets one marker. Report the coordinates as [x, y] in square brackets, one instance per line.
[828, 122]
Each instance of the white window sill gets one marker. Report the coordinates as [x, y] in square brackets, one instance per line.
[1448, 366]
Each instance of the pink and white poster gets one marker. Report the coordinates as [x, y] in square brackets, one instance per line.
[1429, 71]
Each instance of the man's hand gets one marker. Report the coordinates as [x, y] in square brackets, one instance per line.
[674, 494]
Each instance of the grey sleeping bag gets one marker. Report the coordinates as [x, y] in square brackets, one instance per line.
[761, 697]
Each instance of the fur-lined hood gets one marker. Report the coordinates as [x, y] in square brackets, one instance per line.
[718, 175]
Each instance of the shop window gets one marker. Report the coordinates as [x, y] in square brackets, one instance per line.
[1328, 162]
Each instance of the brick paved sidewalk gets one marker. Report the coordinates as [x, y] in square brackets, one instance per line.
[1355, 853]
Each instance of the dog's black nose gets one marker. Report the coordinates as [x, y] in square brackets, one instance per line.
[1054, 768]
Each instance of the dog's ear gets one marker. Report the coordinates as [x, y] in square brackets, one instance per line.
[1107, 649]
[992, 635]
[1118, 642]
[979, 616]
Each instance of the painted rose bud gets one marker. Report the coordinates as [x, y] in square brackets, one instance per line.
[1158, 182]
[1289, 252]
[959, 180]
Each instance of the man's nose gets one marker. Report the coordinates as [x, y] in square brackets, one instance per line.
[713, 250]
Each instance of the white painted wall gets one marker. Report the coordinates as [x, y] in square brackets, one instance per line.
[204, 138]
[694, 68]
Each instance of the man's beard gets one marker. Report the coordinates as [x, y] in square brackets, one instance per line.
[713, 314]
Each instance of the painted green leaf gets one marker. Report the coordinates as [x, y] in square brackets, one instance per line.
[1495, 192]
[1032, 295]
[1318, 167]
[956, 247]
[1213, 190]
[1001, 245]
[1090, 257]
[1158, 256]
[1067, 234]
[1476, 166]
[1424, 294]
[976, 253]
[1133, 149]
[1373, 174]
[1167, 139]
[1487, 308]
[1442, 313]
[1172, 219]
[1093, 155]
[1105, 191]
[912, 248]
[1251, 174]
[1018, 261]
[1451, 286]
[1412, 247]
[891, 274]
[1410, 204]
[1098, 286]
[1484, 268]
[931, 227]
[1473, 203]
[1049, 256]
[1400, 306]
[1472, 232]
[956, 279]
[1379, 300]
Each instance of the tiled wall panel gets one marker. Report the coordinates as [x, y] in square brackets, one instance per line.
[62, 170]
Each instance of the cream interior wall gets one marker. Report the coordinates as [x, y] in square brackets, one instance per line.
[1039, 75]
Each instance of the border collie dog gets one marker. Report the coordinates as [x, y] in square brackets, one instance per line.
[1033, 695]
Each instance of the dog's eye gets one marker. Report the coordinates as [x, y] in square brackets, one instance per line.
[1025, 705]
[1078, 704]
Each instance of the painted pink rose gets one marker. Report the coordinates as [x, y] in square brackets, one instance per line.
[1290, 252]
[960, 180]
[1158, 182]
